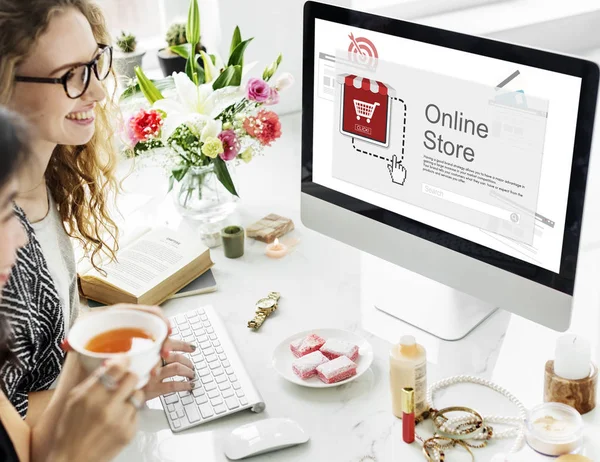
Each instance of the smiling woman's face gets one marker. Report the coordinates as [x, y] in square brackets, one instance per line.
[58, 119]
[12, 234]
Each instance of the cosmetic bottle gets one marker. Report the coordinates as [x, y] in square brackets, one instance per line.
[408, 415]
[408, 369]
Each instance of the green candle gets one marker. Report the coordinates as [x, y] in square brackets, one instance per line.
[233, 241]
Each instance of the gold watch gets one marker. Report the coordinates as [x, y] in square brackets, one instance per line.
[264, 307]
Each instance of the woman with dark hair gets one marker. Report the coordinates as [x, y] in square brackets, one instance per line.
[85, 420]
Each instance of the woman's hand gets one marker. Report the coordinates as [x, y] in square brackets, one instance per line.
[99, 416]
[175, 364]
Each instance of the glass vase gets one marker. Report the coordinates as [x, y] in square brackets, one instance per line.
[201, 196]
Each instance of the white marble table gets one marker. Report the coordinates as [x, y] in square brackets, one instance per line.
[320, 283]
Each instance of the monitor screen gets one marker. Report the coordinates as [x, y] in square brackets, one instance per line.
[470, 151]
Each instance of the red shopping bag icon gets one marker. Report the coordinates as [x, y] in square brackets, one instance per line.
[365, 109]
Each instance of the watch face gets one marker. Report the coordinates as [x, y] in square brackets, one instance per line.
[266, 303]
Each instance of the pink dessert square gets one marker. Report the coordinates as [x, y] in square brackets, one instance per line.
[336, 370]
[306, 345]
[306, 366]
[334, 348]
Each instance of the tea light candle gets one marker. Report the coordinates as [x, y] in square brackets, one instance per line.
[572, 357]
[276, 249]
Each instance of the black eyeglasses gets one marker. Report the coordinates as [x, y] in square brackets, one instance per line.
[77, 80]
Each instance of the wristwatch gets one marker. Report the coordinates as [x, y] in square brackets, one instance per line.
[264, 307]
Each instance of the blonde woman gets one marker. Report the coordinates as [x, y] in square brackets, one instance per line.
[54, 63]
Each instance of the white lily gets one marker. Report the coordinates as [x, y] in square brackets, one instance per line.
[194, 100]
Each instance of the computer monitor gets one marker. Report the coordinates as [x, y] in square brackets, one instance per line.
[460, 159]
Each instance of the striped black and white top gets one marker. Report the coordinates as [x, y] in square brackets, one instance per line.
[32, 307]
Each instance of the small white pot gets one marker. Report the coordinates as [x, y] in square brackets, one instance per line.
[125, 63]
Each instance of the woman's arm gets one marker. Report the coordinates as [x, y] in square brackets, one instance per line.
[38, 402]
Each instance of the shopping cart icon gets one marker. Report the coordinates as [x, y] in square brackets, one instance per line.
[364, 109]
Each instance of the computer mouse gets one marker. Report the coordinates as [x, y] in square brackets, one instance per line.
[263, 436]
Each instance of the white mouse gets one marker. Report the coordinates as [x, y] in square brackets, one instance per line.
[263, 436]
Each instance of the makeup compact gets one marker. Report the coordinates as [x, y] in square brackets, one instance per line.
[554, 429]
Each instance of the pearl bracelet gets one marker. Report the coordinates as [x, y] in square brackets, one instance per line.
[518, 422]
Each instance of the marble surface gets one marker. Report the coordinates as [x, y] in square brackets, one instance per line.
[320, 283]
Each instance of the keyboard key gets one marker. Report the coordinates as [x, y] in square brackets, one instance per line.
[196, 353]
[170, 407]
[216, 343]
[203, 372]
[206, 324]
[192, 413]
[222, 357]
[176, 423]
[210, 330]
[214, 365]
[227, 393]
[187, 400]
[220, 409]
[183, 394]
[203, 338]
[189, 338]
[198, 392]
[236, 385]
[208, 351]
[202, 399]
[229, 370]
[233, 378]
[216, 401]
[218, 372]
[205, 345]
[200, 311]
[211, 358]
[240, 393]
[226, 364]
[180, 319]
[204, 317]
[210, 386]
[221, 379]
[185, 332]
[207, 379]
[212, 337]
[232, 403]
[213, 394]
[244, 401]
[171, 399]
[206, 410]
[224, 386]
[219, 350]
[173, 415]
[198, 360]
[180, 413]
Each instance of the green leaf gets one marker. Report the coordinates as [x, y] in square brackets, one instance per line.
[236, 40]
[180, 172]
[161, 84]
[149, 90]
[190, 70]
[181, 50]
[225, 78]
[171, 183]
[192, 30]
[236, 80]
[207, 65]
[223, 175]
[237, 55]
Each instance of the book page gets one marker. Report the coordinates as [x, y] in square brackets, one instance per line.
[151, 259]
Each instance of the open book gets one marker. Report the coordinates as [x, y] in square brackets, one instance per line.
[149, 269]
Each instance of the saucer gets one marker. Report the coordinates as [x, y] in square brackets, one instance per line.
[283, 357]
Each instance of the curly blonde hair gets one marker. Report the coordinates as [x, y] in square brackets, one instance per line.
[81, 179]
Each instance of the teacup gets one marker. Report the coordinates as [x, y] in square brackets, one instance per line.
[142, 361]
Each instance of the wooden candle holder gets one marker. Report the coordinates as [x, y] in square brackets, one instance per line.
[579, 394]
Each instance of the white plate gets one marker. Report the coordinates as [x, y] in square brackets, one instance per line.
[283, 356]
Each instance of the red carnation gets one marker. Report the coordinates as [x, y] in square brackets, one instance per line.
[265, 127]
[145, 125]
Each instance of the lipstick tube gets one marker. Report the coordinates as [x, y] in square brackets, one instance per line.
[408, 415]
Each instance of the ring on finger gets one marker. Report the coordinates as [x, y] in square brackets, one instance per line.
[136, 402]
[108, 381]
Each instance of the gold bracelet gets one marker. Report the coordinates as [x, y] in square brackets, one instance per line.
[477, 427]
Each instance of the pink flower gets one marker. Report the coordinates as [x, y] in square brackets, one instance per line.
[144, 125]
[273, 98]
[231, 145]
[258, 90]
[265, 127]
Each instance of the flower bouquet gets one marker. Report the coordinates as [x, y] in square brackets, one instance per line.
[206, 120]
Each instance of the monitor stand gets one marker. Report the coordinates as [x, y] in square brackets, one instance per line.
[432, 307]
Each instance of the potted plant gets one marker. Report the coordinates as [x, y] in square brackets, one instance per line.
[173, 57]
[126, 58]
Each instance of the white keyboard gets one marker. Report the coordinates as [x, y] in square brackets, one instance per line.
[222, 386]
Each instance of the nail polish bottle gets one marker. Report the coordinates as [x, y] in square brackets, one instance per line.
[408, 415]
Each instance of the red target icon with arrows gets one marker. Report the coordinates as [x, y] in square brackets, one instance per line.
[362, 51]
